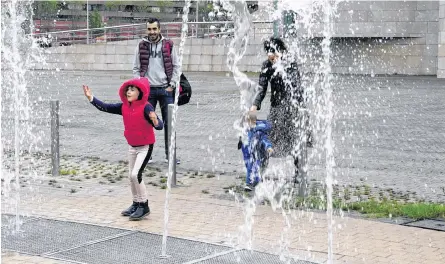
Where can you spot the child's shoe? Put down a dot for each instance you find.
(130, 209)
(141, 211)
(248, 187)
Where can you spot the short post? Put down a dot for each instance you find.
(55, 154)
(302, 155)
(170, 148)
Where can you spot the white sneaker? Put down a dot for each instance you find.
(150, 160)
(177, 161)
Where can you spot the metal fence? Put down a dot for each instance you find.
(222, 29)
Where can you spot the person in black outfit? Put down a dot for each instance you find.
(281, 71)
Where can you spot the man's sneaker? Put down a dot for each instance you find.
(177, 161)
(310, 140)
(150, 160)
(130, 209)
(141, 211)
(297, 178)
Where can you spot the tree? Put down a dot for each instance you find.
(46, 9)
(95, 21)
(164, 4)
(218, 13)
(112, 5)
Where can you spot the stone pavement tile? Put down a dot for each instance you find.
(402, 257)
(352, 260)
(17, 258)
(317, 257)
(201, 217)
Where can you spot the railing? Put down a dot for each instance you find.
(222, 29)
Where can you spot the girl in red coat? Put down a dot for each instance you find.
(139, 119)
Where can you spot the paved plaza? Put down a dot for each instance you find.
(204, 216)
(388, 132)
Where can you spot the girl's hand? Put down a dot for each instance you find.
(87, 92)
(153, 118)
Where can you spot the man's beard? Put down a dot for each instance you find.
(153, 37)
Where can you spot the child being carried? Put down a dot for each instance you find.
(256, 149)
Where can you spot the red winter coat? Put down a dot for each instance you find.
(138, 131)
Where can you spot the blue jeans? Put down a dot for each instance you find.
(253, 166)
(165, 98)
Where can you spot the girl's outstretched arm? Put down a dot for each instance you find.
(152, 118)
(109, 108)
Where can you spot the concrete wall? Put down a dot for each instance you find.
(441, 38)
(377, 37)
(383, 19)
(199, 55)
(355, 56)
(382, 37)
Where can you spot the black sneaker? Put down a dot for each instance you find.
(141, 211)
(130, 209)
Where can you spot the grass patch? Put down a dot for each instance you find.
(52, 182)
(229, 187)
(387, 208)
(151, 174)
(153, 183)
(378, 209)
(423, 210)
(67, 172)
(75, 179)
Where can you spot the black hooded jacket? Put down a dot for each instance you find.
(284, 90)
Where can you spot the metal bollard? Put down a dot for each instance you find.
(170, 122)
(55, 154)
(302, 155)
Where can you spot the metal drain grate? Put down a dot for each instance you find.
(9, 221)
(83, 243)
(429, 224)
(44, 236)
(141, 248)
(245, 256)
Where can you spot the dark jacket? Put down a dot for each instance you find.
(283, 91)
